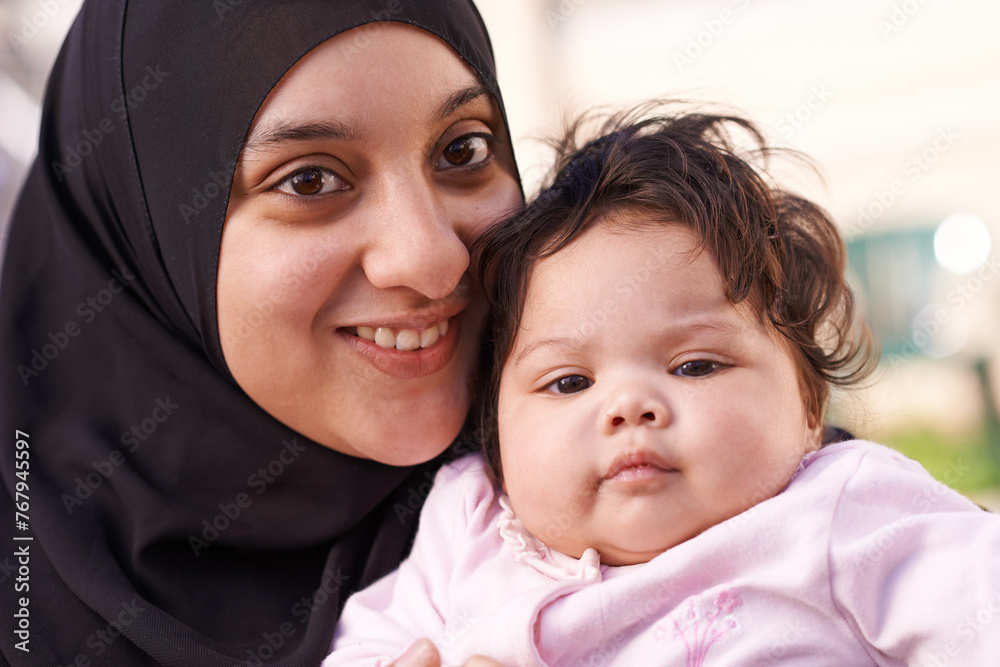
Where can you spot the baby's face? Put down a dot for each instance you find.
(639, 407)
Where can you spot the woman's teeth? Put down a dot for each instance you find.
(407, 339)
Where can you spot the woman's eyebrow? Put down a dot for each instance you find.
(460, 98)
(265, 136)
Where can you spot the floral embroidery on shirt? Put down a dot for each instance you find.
(699, 625)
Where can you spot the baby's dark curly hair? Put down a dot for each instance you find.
(773, 248)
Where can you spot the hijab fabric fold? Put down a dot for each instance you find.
(171, 520)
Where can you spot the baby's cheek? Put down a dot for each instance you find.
(567, 507)
(549, 523)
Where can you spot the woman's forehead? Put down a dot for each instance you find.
(365, 67)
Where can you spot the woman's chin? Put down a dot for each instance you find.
(415, 445)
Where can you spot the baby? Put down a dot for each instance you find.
(655, 486)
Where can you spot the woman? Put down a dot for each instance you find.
(233, 293)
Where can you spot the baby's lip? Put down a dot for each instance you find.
(637, 458)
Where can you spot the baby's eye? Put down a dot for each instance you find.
(465, 151)
(311, 181)
(570, 384)
(698, 368)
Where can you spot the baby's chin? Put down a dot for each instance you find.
(619, 557)
(638, 542)
(624, 552)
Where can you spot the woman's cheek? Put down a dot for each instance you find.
(297, 287)
(261, 295)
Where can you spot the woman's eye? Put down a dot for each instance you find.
(311, 181)
(570, 384)
(465, 152)
(697, 369)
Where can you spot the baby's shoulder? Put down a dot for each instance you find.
(844, 459)
(871, 480)
(463, 484)
(469, 468)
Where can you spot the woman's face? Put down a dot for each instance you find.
(344, 308)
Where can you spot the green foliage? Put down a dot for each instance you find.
(964, 463)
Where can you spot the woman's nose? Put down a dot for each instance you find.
(415, 241)
(634, 406)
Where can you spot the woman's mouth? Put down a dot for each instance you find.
(406, 340)
(406, 352)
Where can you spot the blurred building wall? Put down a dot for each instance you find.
(897, 101)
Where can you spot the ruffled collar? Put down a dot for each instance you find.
(807, 458)
(530, 550)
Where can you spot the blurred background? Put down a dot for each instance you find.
(897, 101)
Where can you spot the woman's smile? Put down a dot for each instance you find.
(406, 353)
(407, 340)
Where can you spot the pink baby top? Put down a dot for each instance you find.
(864, 559)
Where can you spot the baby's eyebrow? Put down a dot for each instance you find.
(680, 331)
(717, 325)
(560, 344)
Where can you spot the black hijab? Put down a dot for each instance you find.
(169, 519)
